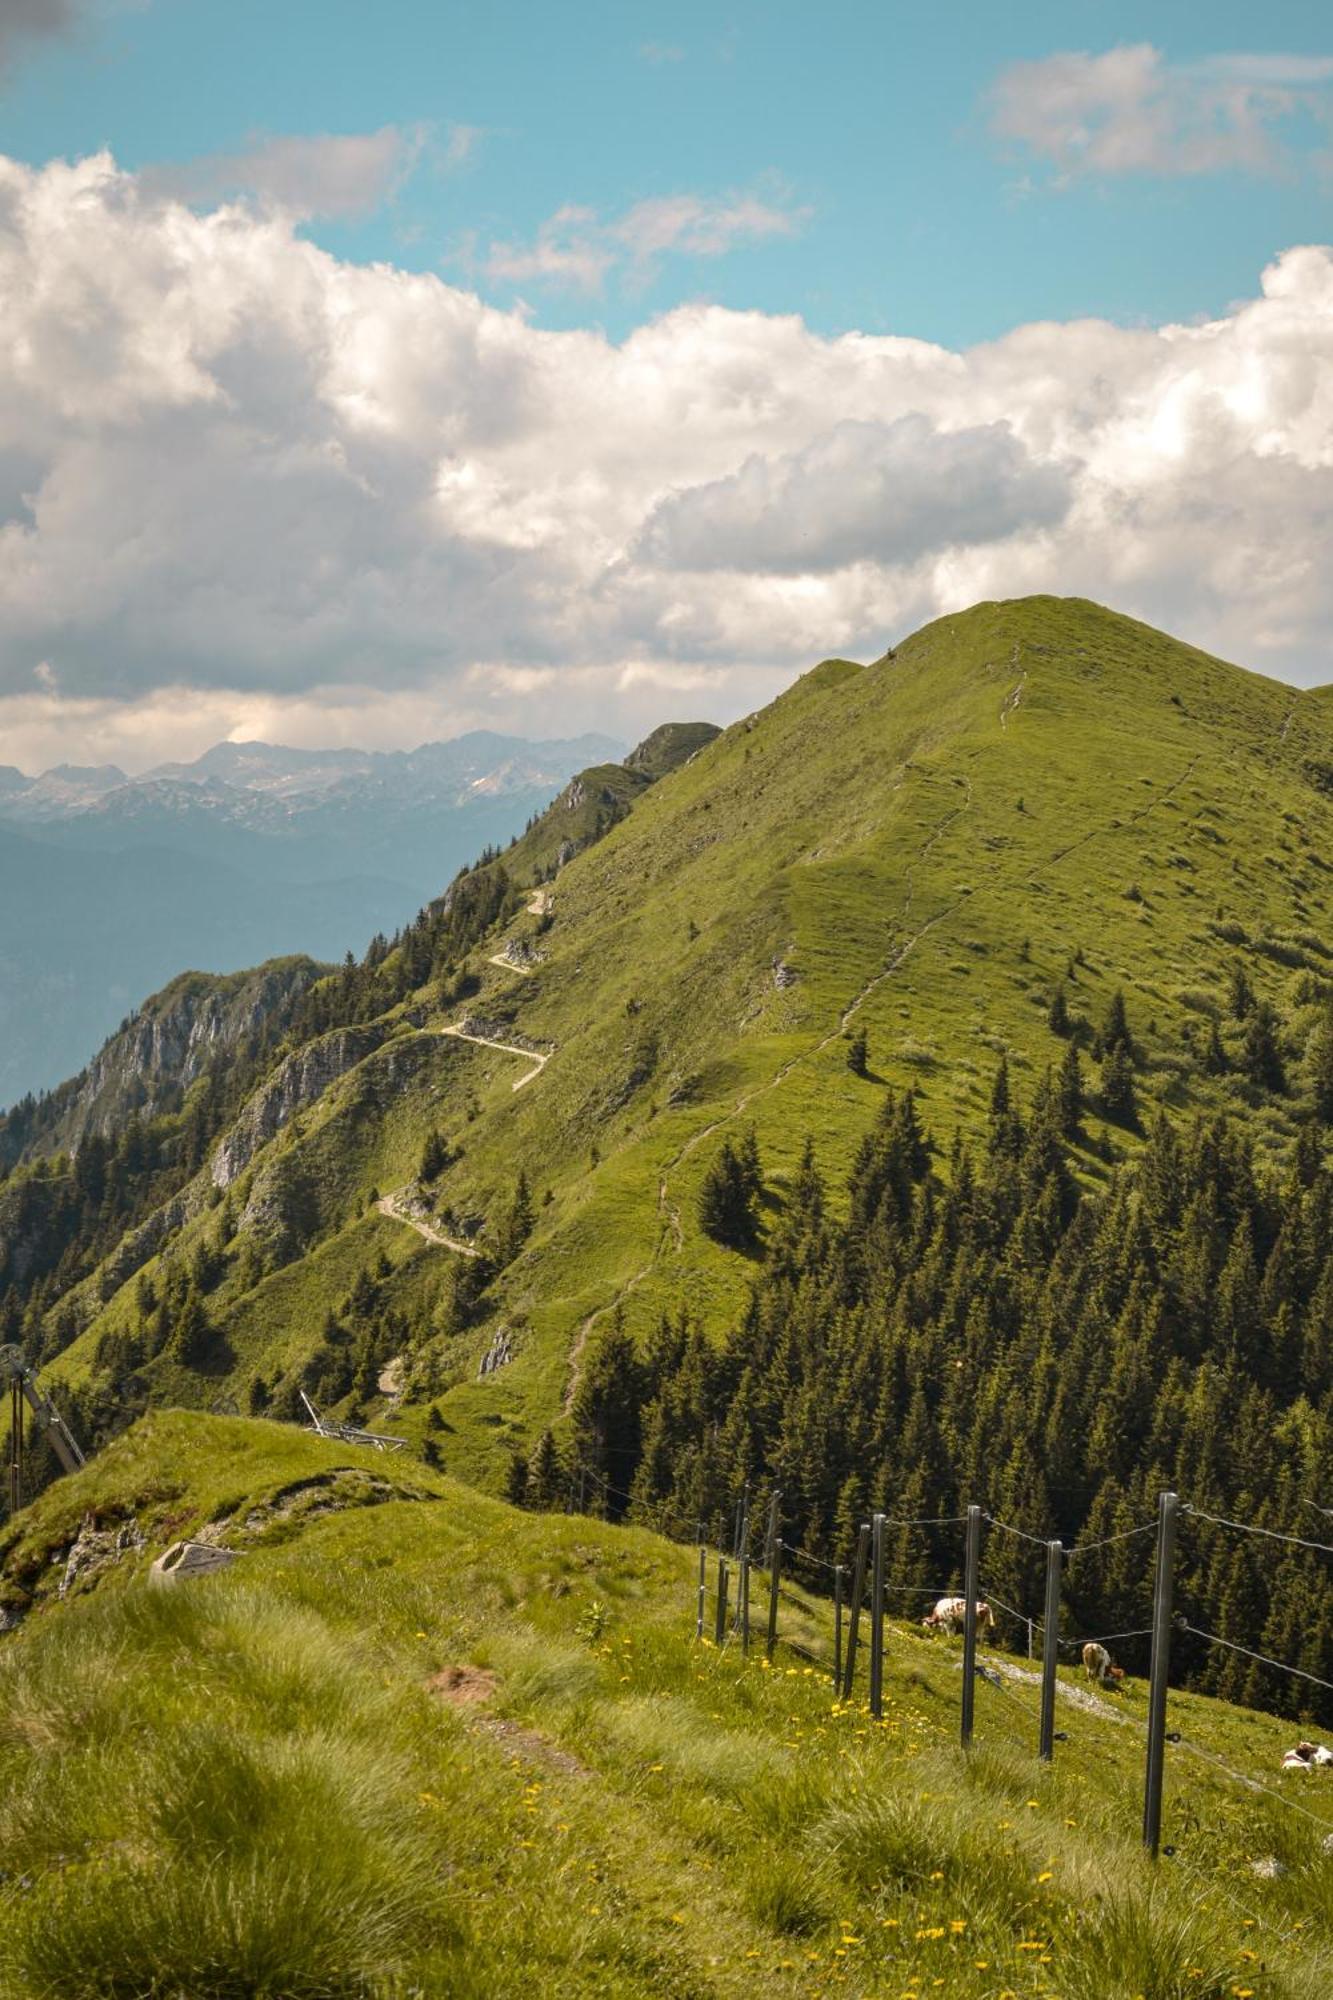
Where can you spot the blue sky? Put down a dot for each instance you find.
(863, 132)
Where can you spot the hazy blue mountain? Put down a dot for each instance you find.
(109, 885)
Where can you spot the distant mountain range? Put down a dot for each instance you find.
(109, 883)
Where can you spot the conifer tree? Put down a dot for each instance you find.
(606, 1416)
(1069, 1093)
(1117, 1086)
(518, 1222)
(1262, 1057)
(1240, 994)
(858, 1054)
(547, 1485)
(516, 1481)
(191, 1335)
(726, 1201)
(1057, 1017)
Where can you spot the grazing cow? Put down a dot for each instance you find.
(950, 1615)
(1100, 1667)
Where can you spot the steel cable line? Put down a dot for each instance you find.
(1009, 1529)
(1263, 1658)
(1252, 1784)
(1271, 1534)
(990, 1597)
(1105, 1638)
(1105, 1541)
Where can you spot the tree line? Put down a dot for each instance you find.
(995, 1330)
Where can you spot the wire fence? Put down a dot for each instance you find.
(1024, 1707)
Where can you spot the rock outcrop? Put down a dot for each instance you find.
(299, 1081)
(192, 1025)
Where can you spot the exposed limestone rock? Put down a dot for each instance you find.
(184, 1561)
(519, 952)
(302, 1078)
(182, 1031)
(97, 1549)
(498, 1354)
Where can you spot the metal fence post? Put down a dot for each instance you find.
(1050, 1650)
(720, 1629)
(744, 1603)
(971, 1568)
(877, 1617)
(774, 1523)
(1168, 1507)
(703, 1592)
(837, 1628)
(858, 1592)
(775, 1577)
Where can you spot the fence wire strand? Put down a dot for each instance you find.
(1262, 1658)
(1105, 1541)
(1252, 1784)
(1009, 1529)
(1271, 1534)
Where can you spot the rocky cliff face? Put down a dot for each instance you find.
(190, 1026)
(304, 1076)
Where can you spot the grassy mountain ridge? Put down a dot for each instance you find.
(1024, 797)
(494, 1760)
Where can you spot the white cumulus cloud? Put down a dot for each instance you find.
(322, 174)
(861, 492)
(241, 478)
(1130, 111)
(578, 248)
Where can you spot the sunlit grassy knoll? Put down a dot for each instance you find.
(249, 1785)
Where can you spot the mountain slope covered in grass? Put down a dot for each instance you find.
(484, 1148)
(494, 1760)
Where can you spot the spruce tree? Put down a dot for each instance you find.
(1117, 1087)
(1240, 994)
(1069, 1093)
(726, 1201)
(858, 1054)
(1057, 1017)
(1261, 1057)
(1321, 1067)
(191, 1335)
(547, 1484)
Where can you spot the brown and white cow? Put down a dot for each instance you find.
(950, 1615)
(1307, 1757)
(1098, 1664)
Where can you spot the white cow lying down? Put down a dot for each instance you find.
(950, 1615)
(1307, 1757)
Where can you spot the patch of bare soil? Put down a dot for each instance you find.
(530, 1744)
(468, 1687)
(463, 1685)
